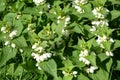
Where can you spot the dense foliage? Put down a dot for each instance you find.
(59, 39)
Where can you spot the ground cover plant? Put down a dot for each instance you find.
(59, 39)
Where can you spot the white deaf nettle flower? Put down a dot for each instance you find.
(7, 43)
(40, 58)
(80, 2)
(39, 2)
(97, 12)
(39, 49)
(41, 12)
(13, 45)
(35, 46)
(75, 73)
(101, 39)
(21, 50)
(37, 65)
(79, 9)
(84, 53)
(4, 29)
(13, 34)
(111, 40)
(64, 32)
(67, 20)
(100, 23)
(84, 60)
(109, 53)
(91, 69)
(93, 29)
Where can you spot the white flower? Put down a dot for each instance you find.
(97, 12)
(111, 40)
(37, 65)
(101, 39)
(91, 69)
(38, 2)
(67, 19)
(40, 58)
(13, 45)
(78, 2)
(64, 32)
(7, 43)
(84, 60)
(100, 23)
(39, 49)
(41, 12)
(13, 34)
(109, 53)
(3, 29)
(34, 46)
(83, 53)
(48, 55)
(21, 50)
(75, 73)
(79, 9)
(93, 29)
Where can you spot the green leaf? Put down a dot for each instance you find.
(19, 5)
(82, 77)
(115, 1)
(18, 26)
(118, 65)
(31, 10)
(10, 70)
(50, 67)
(29, 65)
(68, 65)
(2, 5)
(26, 18)
(10, 18)
(115, 14)
(20, 42)
(92, 58)
(116, 44)
(109, 64)
(68, 77)
(100, 75)
(102, 56)
(7, 54)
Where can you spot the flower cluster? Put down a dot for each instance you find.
(9, 37)
(100, 23)
(78, 3)
(39, 2)
(74, 73)
(91, 69)
(66, 22)
(98, 12)
(39, 58)
(39, 54)
(82, 56)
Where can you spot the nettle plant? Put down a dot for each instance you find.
(59, 39)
